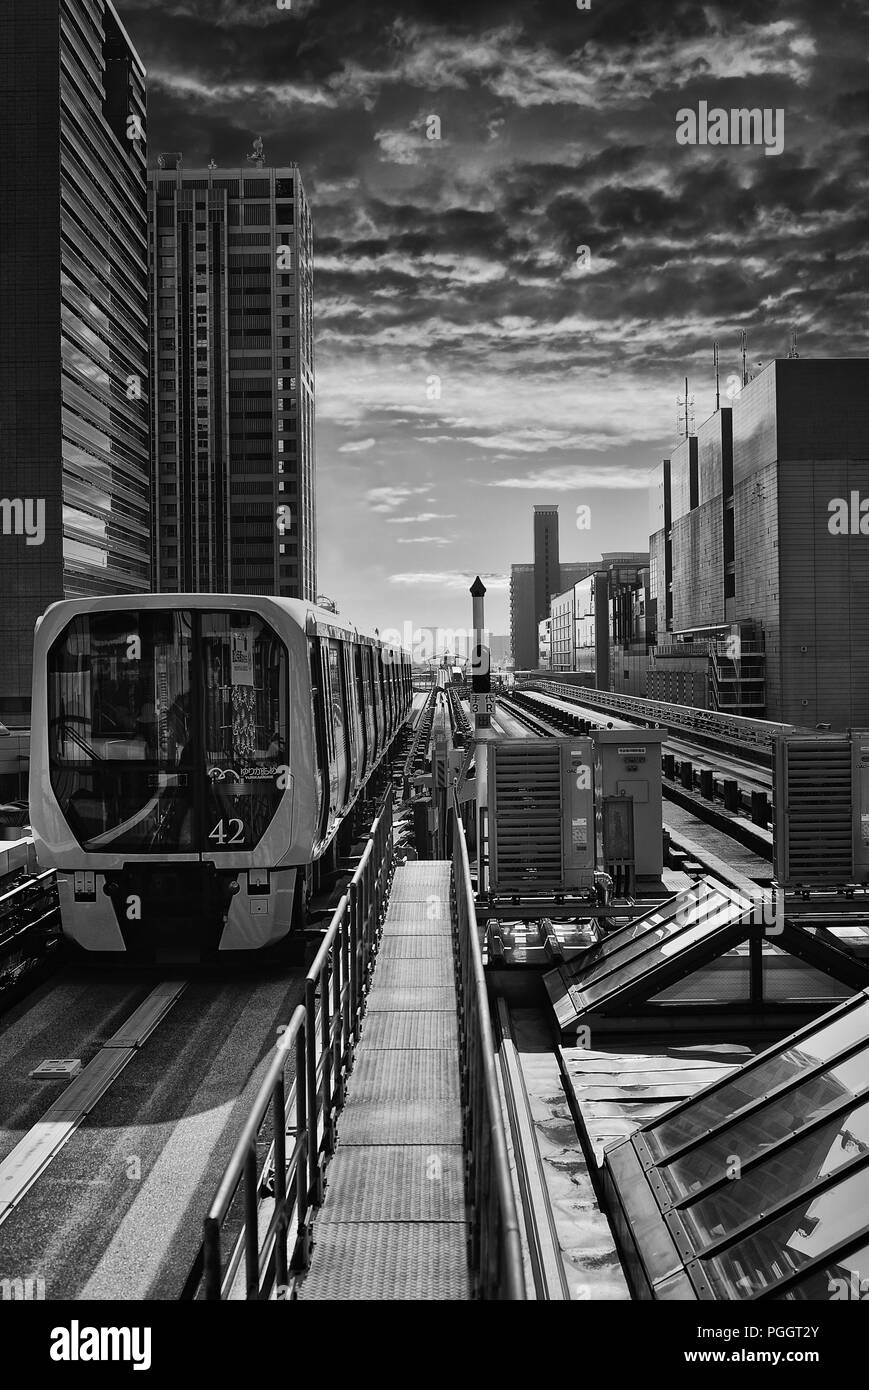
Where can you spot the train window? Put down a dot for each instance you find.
(168, 729)
(245, 726)
(337, 683)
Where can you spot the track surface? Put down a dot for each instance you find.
(118, 1212)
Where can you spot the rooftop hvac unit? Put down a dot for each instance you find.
(821, 794)
(541, 815)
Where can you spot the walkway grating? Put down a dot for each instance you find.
(394, 1222)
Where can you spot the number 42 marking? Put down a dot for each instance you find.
(221, 836)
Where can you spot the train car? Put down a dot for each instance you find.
(193, 758)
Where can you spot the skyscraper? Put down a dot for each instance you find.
(233, 406)
(547, 569)
(74, 477)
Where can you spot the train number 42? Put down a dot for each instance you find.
(222, 834)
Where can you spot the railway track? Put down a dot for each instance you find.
(104, 1175)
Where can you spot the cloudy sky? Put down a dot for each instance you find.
(468, 363)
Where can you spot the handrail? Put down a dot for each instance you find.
(740, 728)
(495, 1248)
(323, 1032)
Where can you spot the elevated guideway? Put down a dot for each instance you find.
(394, 1223)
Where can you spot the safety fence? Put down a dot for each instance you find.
(738, 730)
(319, 1044)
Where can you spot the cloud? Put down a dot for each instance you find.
(420, 518)
(423, 540)
(400, 146)
(357, 446)
(386, 499)
(577, 478)
(449, 580)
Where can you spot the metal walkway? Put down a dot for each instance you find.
(394, 1223)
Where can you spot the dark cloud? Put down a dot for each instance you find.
(453, 320)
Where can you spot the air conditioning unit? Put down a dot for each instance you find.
(541, 815)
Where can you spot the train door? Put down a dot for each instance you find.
(318, 714)
(364, 687)
(331, 741)
(339, 724)
(354, 730)
(376, 698)
(354, 678)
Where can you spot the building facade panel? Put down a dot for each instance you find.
(73, 313)
(698, 567)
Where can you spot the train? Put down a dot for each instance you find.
(193, 760)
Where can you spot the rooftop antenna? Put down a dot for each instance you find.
(744, 356)
(717, 375)
(793, 352)
(688, 421)
(257, 158)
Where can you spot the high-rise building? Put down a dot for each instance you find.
(74, 476)
(547, 569)
(760, 557)
(523, 627)
(233, 402)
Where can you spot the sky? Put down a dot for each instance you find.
(506, 314)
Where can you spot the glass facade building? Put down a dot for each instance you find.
(232, 458)
(74, 467)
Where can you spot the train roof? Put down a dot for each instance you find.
(308, 616)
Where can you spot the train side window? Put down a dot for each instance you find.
(319, 707)
(328, 701)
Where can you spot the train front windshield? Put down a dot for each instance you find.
(168, 729)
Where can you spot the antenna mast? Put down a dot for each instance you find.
(744, 357)
(688, 405)
(717, 375)
(793, 352)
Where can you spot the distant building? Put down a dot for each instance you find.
(533, 587)
(73, 320)
(547, 569)
(544, 644)
(233, 405)
(523, 626)
(599, 616)
(753, 572)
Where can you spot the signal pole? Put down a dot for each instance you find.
(481, 679)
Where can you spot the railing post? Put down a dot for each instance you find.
(306, 1131)
(211, 1259)
(355, 988)
(315, 1182)
(251, 1233)
(279, 1125)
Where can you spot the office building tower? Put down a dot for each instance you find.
(760, 564)
(233, 402)
(523, 625)
(547, 570)
(74, 474)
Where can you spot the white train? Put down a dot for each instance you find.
(193, 757)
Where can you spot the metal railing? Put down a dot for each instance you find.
(733, 727)
(494, 1243)
(321, 1036)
